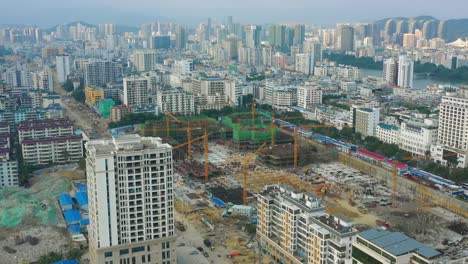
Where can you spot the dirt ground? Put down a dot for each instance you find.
(50, 239)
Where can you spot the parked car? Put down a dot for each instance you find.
(194, 252)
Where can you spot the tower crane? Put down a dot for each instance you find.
(245, 162)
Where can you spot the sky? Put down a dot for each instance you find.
(46, 13)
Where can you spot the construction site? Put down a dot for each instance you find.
(215, 174)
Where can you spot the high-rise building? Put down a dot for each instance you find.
(390, 28)
(313, 47)
(365, 120)
(308, 96)
(299, 34)
(176, 101)
(304, 63)
(442, 30)
(390, 71)
(160, 42)
(42, 80)
(145, 60)
(131, 200)
(346, 34)
(101, 72)
(181, 38)
(62, 63)
(429, 29)
(293, 227)
(135, 90)
(405, 72)
(252, 36)
(409, 40)
(452, 140)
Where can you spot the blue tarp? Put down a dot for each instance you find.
(74, 229)
(66, 262)
(82, 198)
(218, 202)
(84, 221)
(81, 187)
(72, 216)
(65, 200)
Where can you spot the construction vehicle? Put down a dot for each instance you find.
(245, 162)
(232, 255)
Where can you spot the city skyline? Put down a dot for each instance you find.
(141, 11)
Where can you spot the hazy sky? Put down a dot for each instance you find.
(133, 12)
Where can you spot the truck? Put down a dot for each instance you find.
(207, 243)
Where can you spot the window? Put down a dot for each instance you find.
(138, 249)
(124, 251)
(108, 254)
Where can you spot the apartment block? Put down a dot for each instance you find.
(176, 101)
(93, 94)
(120, 111)
(388, 133)
(365, 120)
(135, 90)
(308, 96)
(293, 227)
(49, 141)
(131, 201)
(417, 137)
(9, 173)
(452, 139)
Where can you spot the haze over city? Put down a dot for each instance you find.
(51, 12)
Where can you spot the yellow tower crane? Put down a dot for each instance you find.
(245, 162)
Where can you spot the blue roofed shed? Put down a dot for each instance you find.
(82, 199)
(66, 262)
(72, 217)
(81, 187)
(66, 201)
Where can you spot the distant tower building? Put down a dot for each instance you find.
(411, 26)
(252, 36)
(304, 63)
(390, 71)
(181, 38)
(135, 90)
(402, 27)
(131, 200)
(346, 38)
(405, 72)
(299, 34)
(442, 30)
(160, 42)
(409, 41)
(390, 28)
(429, 30)
(63, 67)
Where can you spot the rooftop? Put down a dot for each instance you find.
(130, 142)
(42, 124)
(397, 243)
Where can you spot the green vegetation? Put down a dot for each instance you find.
(134, 119)
(421, 109)
(227, 110)
(51, 257)
(361, 62)
(328, 97)
(256, 78)
(79, 95)
(342, 106)
(452, 173)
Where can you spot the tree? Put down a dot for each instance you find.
(68, 85)
(79, 95)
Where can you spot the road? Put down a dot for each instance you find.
(82, 116)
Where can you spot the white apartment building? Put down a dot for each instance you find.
(183, 67)
(135, 90)
(388, 133)
(294, 228)
(304, 63)
(101, 72)
(365, 120)
(417, 137)
(62, 63)
(308, 96)
(405, 72)
(49, 141)
(47, 128)
(452, 137)
(176, 101)
(145, 60)
(131, 201)
(9, 173)
(280, 97)
(390, 71)
(42, 80)
(46, 151)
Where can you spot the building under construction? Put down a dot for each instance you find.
(195, 169)
(251, 131)
(282, 156)
(178, 128)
